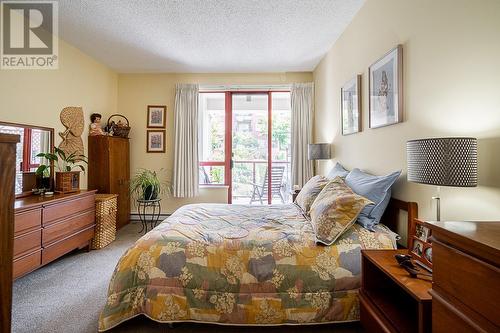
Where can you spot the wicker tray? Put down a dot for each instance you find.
(105, 216)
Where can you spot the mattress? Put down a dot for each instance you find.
(240, 265)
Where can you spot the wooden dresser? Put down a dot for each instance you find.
(109, 171)
(7, 178)
(466, 276)
(46, 228)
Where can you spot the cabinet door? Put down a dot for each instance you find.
(98, 168)
(119, 177)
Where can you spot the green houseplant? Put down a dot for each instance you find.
(67, 179)
(42, 174)
(146, 185)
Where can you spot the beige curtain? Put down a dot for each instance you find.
(185, 182)
(302, 97)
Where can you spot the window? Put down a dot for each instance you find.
(243, 135)
(211, 136)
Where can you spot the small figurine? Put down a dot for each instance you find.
(95, 127)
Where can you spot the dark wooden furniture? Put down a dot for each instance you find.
(109, 171)
(466, 276)
(7, 178)
(45, 228)
(390, 300)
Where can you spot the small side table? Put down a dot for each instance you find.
(391, 300)
(153, 218)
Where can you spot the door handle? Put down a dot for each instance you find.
(231, 164)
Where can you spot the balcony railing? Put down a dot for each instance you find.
(243, 181)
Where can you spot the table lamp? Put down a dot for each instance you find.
(442, 162)
(318, 151)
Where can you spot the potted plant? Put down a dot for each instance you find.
(42, 174)
(67, 179)
(146, 185)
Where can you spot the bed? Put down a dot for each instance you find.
(243, 265)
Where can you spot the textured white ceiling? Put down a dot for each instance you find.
(205, 35)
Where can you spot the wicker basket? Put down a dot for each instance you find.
(120, 131)
(105, 215)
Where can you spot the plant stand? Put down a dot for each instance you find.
(153, 218)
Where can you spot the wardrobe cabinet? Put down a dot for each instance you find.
(109, 171)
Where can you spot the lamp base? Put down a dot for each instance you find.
(438, 204)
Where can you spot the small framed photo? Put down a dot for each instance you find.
(157, 116)
(428, 254)
(420, 244)
(155, 141)
(421, 232)
(350, 107)
(417, 248)
(385, 79)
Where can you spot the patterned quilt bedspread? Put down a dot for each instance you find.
(241, 265)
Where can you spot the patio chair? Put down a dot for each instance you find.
(260, 191)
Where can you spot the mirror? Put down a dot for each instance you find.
(34, 140)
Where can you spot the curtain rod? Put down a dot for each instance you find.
(246, 87)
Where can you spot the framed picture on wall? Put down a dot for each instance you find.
(386, 89)
(157, 116)
(155, 141)
(420, 245)
(350, 106)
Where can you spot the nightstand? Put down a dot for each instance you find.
(391, 300)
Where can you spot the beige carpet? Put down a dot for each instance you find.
(67, 296)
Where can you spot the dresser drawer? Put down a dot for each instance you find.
(25, 221)
(26, 264)
(458, 274)
(27, 243)
(54, 212)
(65, 228)
(57, 249)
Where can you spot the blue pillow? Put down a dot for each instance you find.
(375, 188)
(337, 171)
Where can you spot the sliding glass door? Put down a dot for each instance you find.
(245, 144)
(250, 147)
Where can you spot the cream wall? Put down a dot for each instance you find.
(451, 56)
(36, 97)
(136, 91)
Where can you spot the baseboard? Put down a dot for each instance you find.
(134, 217)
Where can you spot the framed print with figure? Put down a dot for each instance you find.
(156, 116)
(155, 141)
(386, 89)
(350, 106)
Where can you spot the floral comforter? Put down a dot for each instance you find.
(241, 265)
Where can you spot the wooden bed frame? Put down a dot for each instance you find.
(391, 216)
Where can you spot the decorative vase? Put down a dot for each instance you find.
(149, 193)
(42, 182)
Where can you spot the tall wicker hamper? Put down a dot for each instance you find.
(105, 216)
